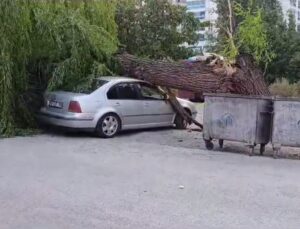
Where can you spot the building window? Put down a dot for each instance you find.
(196, 4)
(298, 27)
(200, 15)
(293, 2)
(201, 37)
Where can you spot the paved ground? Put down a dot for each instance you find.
(150, 179)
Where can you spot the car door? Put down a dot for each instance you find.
(157, 110)
(124, 97)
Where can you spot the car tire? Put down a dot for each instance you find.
(180, 123)
(108, 126)
(209, 145)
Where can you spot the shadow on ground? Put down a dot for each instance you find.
(184, 139)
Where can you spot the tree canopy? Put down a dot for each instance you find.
(156, 28)
(261, 31)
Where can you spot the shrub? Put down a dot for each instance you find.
(284, 88)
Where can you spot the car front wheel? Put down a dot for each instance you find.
(180, 123)
(108, 126)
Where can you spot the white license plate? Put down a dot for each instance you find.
(55, 104)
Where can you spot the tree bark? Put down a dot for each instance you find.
(210, 76)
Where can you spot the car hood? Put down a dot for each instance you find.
(187, 103)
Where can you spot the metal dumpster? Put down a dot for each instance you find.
(286, 123)
(246, 119)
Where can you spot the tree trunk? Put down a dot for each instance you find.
(179, 109)
(210, 76)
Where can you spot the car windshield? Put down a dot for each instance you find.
(90, 87)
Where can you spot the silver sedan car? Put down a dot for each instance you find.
(112, 104)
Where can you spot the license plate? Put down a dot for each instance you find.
(55, 104)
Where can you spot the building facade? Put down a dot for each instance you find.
(291, 6)
(204, 11)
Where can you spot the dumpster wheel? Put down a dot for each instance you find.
(221, 143)
(209, 145)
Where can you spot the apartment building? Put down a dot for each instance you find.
(205, 11)
(292, 6)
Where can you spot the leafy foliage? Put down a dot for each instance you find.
(262, 32)
(15, 28)
(251, 34)
(286, 44)
(247, 33)
(156, 28)
(80, 39)
(63, 43)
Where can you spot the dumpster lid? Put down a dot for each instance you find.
(280, 98)
(239, 96)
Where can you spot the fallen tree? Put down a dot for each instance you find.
(237, 75)
(210, 75)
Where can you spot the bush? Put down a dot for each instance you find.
(285, 89)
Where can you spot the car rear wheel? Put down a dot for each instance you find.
(108, 126)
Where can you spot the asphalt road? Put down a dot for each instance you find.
(149, 179)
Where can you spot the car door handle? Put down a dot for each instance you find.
(146, 104)
(117, 104)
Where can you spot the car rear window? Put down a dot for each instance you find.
(97, 84)
(90, 87)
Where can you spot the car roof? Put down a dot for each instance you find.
(118, 79)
